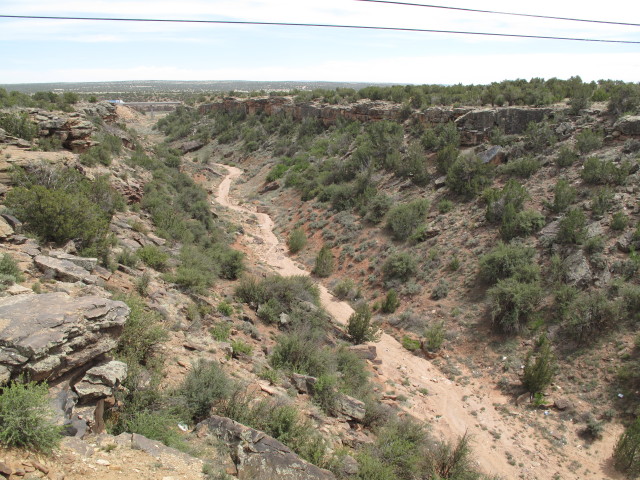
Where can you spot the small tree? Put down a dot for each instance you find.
(626, 453)
(359, 327)
(391, 302)
(26, 420)
(297, 240)
(324, 262)
(539, 369)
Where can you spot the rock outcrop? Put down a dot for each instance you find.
(474, 124)
(64, 269)
(629, 125)
(48, 335)
(101, 381)
(257, 455)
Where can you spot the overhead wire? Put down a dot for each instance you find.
(320, 25)
(498, 12)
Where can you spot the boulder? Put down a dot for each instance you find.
(156, 449)
(350, 407)
(562, 403)
(13, 221)
(365, 352)
(628, 125)
(303, 383)
(494, 155)
(50, 334)
(270, 187)
(5, 229)
(626, 242)
(87, 263)
(578, 271)
(191, 146)
(101, 381)
(549, 233)
(64, 270)
(259, 456)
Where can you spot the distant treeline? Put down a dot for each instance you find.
(535, 92)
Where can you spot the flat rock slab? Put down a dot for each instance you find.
(47, 335)
(64, 270)
(87, 263)
(101, 380)
(259, 456)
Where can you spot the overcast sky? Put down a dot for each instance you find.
(72, 51)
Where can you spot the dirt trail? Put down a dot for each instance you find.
(503, 444)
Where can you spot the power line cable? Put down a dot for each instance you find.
(321, 25)
(497, 12)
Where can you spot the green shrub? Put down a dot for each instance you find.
(540, 368)
(127, 258)
(298, 352)
(591, 316)
(403, 219)
(539, 136)
(10, 273)
(445, 158)
(468, 176)
(26, 419)
(601, 201)
(325, 392)
(588, 140)
(391, 302)
(141, 336)
(157, 424)
(512, 303)
(572, 228)
(630, 294)
(220, 331)
(18, 125)
(297, 240)
(414, 165)
(153, 257)
(512, 197)
(505, 260)
(410, 344)
(594, 245)
(445, 206)
(626, 453)
(346, 289)
(360, 327)
(604, 172)
(566, 157)
(59, 216)
(619, 221)
(377, 208)
(324, 262)
(288, 292)
(441, 290)
(401, 446)
(239, 347)
(452, 462)
(204, 386)
(624, 98)
(441, 136)
(434, 337)
(142, 284)
(225, 309)
(401, 265)
(520, 224)
(522, 167)
(564, 196)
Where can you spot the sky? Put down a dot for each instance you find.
(35, 51)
